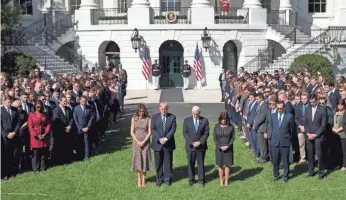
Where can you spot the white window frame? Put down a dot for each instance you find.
(317, 2)
(75, 4)
(122, 6)
(165, 8)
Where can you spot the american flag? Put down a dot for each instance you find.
(197, 64)
(146, 64)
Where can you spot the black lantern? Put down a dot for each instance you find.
(206, 38)
(135, 39)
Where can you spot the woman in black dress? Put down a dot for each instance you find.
(224, 138)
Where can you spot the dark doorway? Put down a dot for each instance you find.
(110, 49)
(230, 57)
(171, 61)
(275, 50)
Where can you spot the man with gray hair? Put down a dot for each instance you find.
(196, 132)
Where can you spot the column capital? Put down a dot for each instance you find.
(200, 3)
(252, 4)
(140, 4)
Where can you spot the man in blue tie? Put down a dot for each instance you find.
(163, 126)
(196, 132)
(280, 129)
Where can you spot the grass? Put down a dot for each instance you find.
(109, 176)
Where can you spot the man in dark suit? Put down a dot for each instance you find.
(250, 120)
(76, 92)
(47, 109)
(83, 116)
(279, 131)
(97, 106)
(10, 124)
(163, 126)
(62, 124)
(315, 121)
(196, 132)
(332, 95)
(260, 126)
(26, 106)
(288, 105)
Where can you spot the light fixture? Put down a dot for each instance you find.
(206, 38)
(135, 39)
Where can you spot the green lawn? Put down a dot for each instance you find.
(109, 176)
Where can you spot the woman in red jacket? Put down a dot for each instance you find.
(39, 127)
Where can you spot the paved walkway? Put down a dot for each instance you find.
(190, 96)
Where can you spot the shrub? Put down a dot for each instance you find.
(313, 63)
(16, 63)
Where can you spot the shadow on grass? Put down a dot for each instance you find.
(215, 174)
(247, 173)
(298, 170)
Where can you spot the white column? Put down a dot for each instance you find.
(140, 4)
(200, 3)
(154, 3)
(202, 12)
(88, 4)
(252, 4)
(285, 5)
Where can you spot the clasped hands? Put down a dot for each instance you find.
(196, 144)
(311, 136)
(85, 130)
(224, 148)
(163, 141)
(11, 135)
(41, 137)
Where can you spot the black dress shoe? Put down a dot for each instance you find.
(158, 184)
(276, 178)
(285, 180)
(320, 177)
(309, 175)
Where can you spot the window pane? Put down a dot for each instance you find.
(311, 8)
(323, 7)
(317, 8)
(323, 1)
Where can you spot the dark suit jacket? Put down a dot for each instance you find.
(280, 135)
(309, 88)
(252, 113)
(191, 135)
(83, 120)
(49, 112)
(158, 133)
(333, 99)
(9, 123)
(260, 118)
(61, 121)
(318, 126)
(289, 108)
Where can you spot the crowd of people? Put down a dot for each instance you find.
(283, 118)
(263, 105)
(53, 120)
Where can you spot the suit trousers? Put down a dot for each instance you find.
(39, 159)
(83, 145)
(156, 80)
(302, 152)
(254, 142)
(343, 145)
(280, 153)
(186, 82)
(263, 146)
(163, 165)
(191, 159)
(319, 149)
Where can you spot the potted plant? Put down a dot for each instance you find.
(103, 20)
(182, 19)
(223, 19)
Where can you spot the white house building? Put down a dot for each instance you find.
(255, 34)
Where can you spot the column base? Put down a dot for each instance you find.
(138, 16)
(202, 15)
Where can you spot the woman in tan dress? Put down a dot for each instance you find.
(140, 132)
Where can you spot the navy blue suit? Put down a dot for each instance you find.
(83, 119)
(280, 141)
(318, 127)
(252, 133)
(333, 99)
(163, 153)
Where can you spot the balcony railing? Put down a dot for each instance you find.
(181, 15)
(231, 15)
(109, 16)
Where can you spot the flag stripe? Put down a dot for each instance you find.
(146, 64)
(197, 65)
